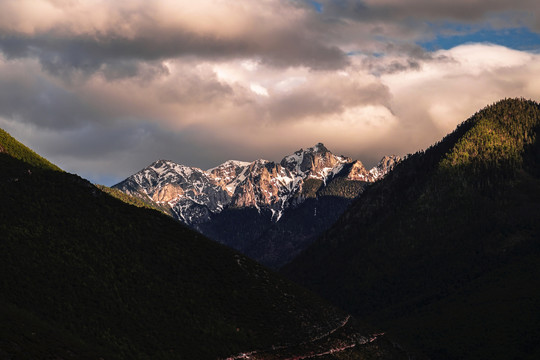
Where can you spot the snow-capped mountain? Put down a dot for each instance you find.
(227, 174)
(265, 184)
(193, 195)
(316, 162)
(190, 193)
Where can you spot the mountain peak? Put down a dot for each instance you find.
(384, 166)
(315, 162)
(228, 164)
(172, 168)
(162, 162)
(260, 162)
(319, 148)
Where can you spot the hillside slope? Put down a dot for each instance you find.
(9, 145)
(84, 275)
(444, 251)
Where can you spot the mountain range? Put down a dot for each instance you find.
(241, 204)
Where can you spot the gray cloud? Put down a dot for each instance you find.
(31, 98)
(456, 10)
(104, 88)
(326, 98)
(413, 20)
(148, 36)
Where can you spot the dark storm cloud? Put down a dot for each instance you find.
(33, 99)
(61, 52)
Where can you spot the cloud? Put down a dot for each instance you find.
(104, 88)
(402, 22)
(326, 94)
(29, 96)
(456, 10)
(202, 113)
(85, 36)
(432, 101)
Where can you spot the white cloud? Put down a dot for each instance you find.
(258, 89)
(431, 101)
(228, 109)
(198, 82)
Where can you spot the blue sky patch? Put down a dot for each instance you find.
(516, 38)
(316, 5)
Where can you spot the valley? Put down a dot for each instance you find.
(430, 257)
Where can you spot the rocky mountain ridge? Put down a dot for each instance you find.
(192, 195)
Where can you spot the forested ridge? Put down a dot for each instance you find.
(443, 252)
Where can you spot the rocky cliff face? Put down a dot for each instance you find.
(193, 195)
(226, 174)
(316, 162)
(358, 172)
(386, 165)
(265, 184)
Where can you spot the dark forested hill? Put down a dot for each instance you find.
(84, 275)
(444, 252)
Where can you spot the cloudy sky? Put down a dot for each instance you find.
(103, 88)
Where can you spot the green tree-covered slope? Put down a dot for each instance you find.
(84, 275)
(11, 146)
(443, 253)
